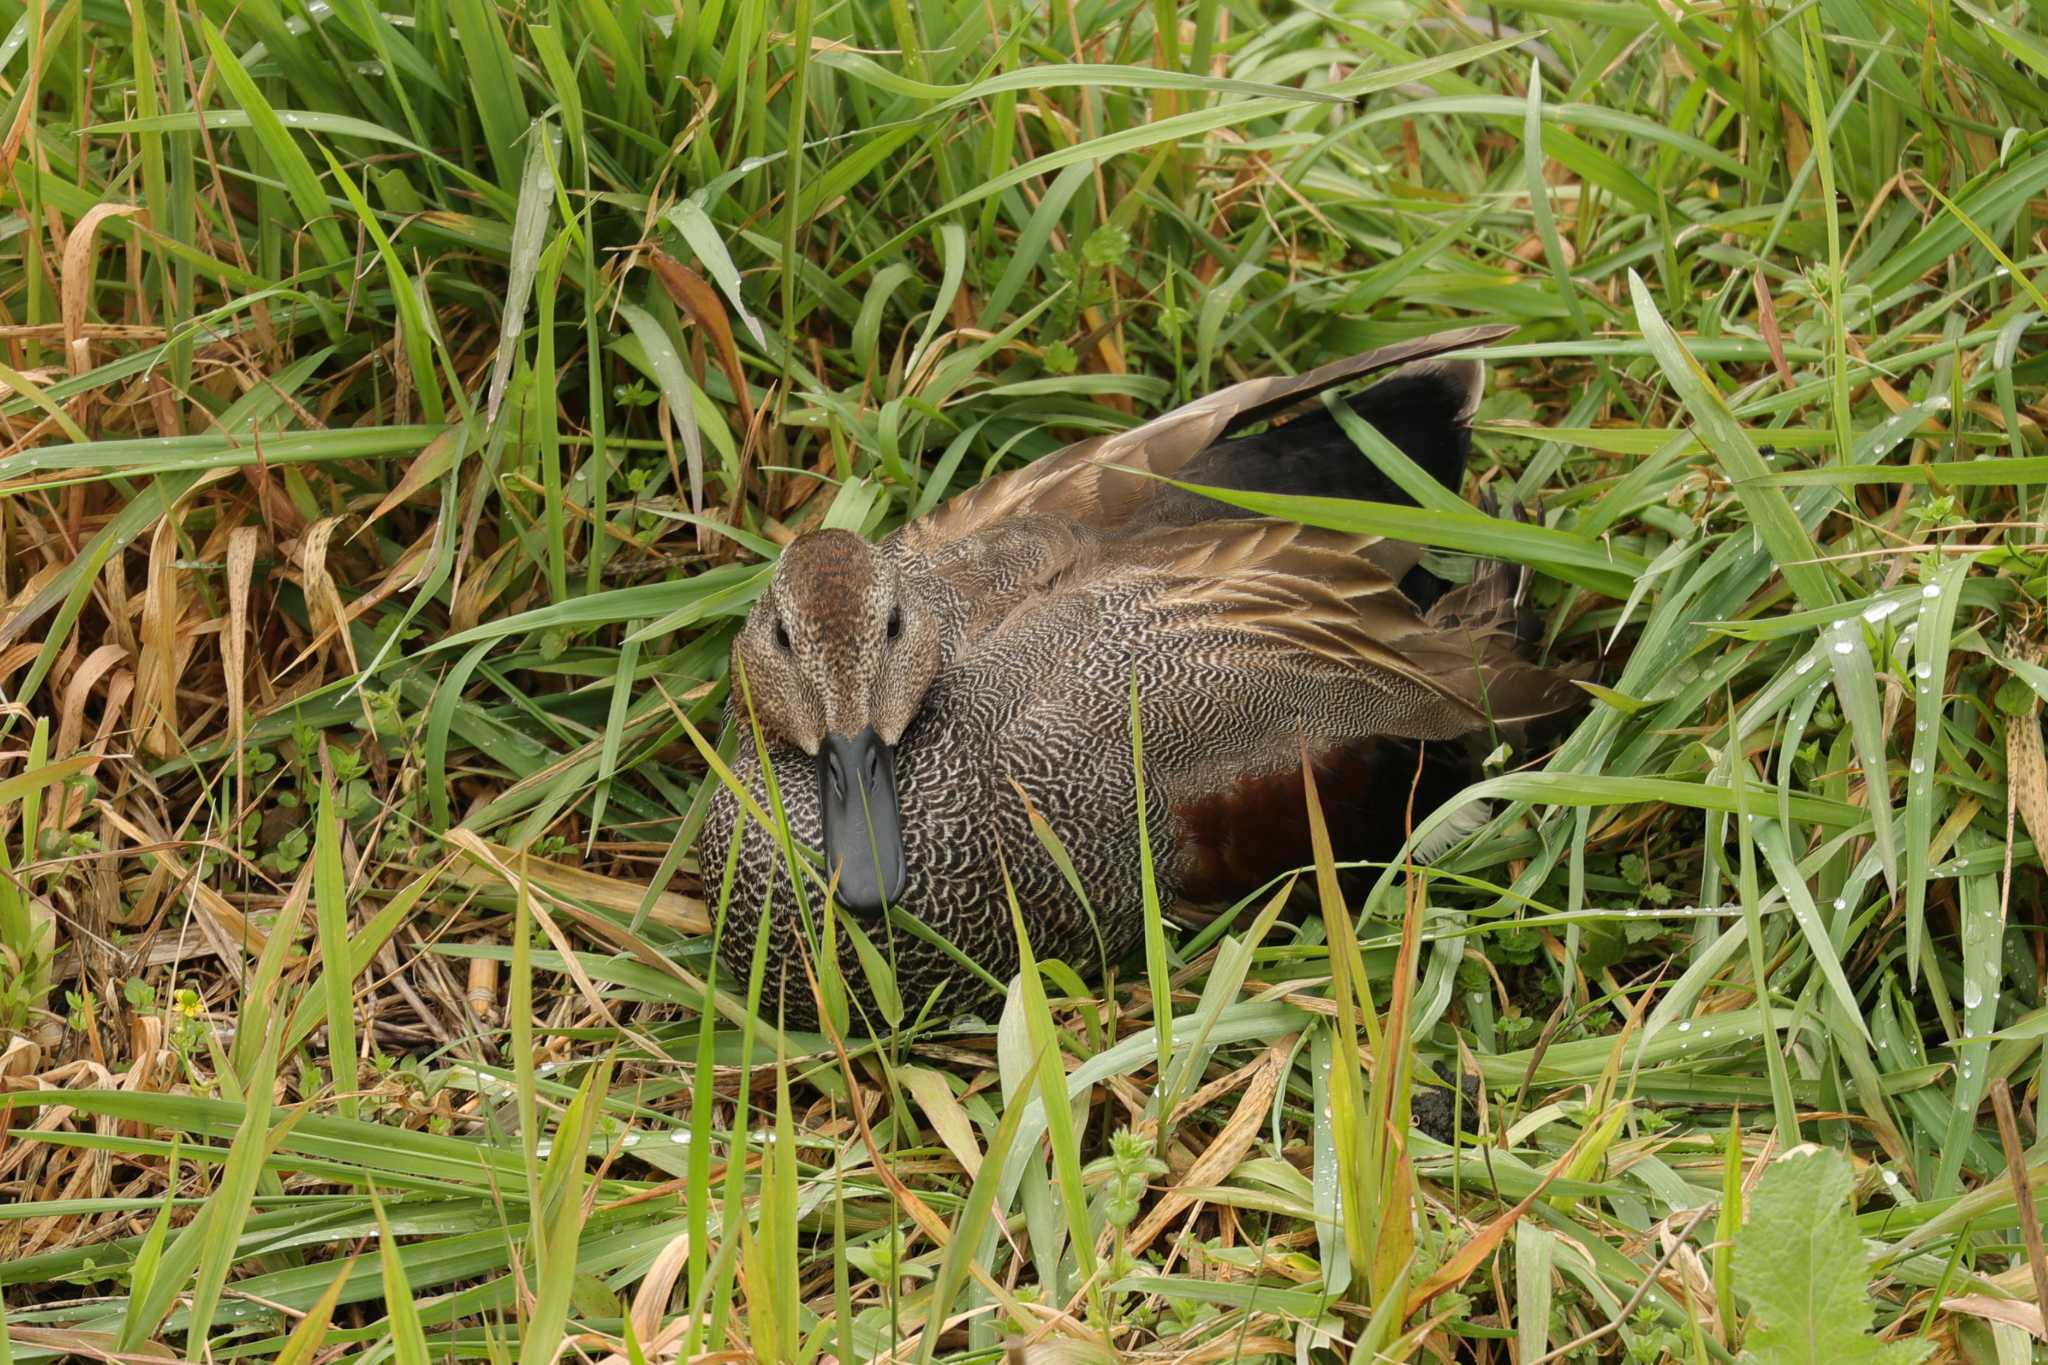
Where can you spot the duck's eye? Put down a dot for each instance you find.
(782, 637)
(895, 626)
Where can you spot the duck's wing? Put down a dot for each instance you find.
(1100, 482)
(1292, 611)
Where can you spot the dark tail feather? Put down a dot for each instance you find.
(1424, 410)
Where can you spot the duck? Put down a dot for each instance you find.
(921, 710)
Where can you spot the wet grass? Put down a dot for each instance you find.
(399, 406)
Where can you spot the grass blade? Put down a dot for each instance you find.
(284, 156)
(1775, 521)
(330, 915)
(1158, 968)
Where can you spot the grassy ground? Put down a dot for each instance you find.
(399, 403)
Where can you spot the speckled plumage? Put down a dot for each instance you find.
(1047, 592)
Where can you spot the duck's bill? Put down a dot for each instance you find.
(863, 824)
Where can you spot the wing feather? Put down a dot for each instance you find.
(1303, 600)
(1100, 481)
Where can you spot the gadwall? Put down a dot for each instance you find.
(921, 698)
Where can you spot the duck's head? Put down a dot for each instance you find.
(837, 656)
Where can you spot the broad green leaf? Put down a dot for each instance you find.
(1801, 1265)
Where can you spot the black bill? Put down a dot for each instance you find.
(863, 825)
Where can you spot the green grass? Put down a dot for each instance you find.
(398, 407)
